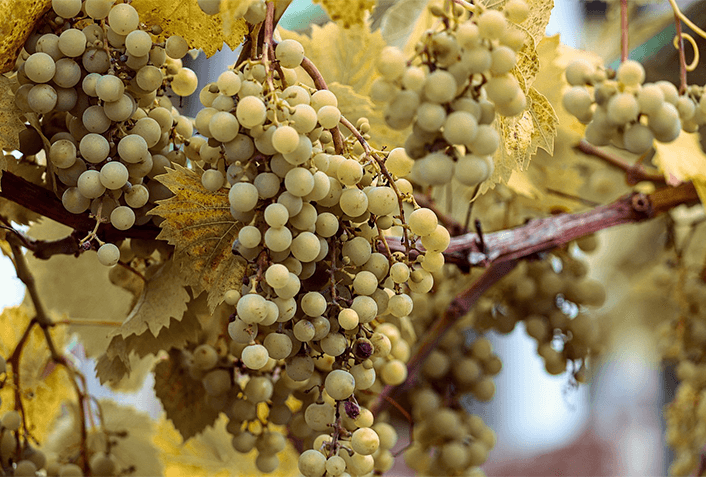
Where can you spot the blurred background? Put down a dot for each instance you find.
(612, 426)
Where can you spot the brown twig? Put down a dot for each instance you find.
(624, 31)
(682, 56)
(634, 172)
(310, 68)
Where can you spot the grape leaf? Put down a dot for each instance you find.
(80, 287)
(403, 18)
(682, 160)
(185, 18)
(211, 453)
(348, 13)
(12, 123)
(539, 13)
(30, 172)
(343, 55)
(199, 224)
(18, 20)
(130, 432)
(183, 397)
(147, 335)
(162, 298)
(44, 385)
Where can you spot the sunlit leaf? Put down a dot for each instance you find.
(12, 123)
(342, 55)
(44, 385)
(348, 12)
(199, 224)
(18, 20)
(185, 18)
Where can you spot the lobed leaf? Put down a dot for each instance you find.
(18, 20)
(185, 18)
(199, 224)
(183, 397)
(348, 13)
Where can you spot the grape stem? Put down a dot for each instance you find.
(310, 68)
(682, 56)
(500, 252)
(42, 319)
(624, 31)
(634, 172)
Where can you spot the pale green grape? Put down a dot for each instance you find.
(285, 139)
(42, 98)
(62, 153)
(255, 356)
(149, 78)
(365, 441)
(11, 420)
(212, 180)
(217, 382)
(72, 42)
(108, 254)
(290, 53)
(25, 468)
(278, 239)
(328, 116)
(391, 63)
(109, 88)
(98, 9)
(460, 127)
(223, 126)
(503, 60)
(243, 196)
(74, 202)
(440, 87)
(471, 170)
(251, 112)
(279, 345)
(638, 138)
(517, 11)
(102, 464)
(113, 175)
(70, 470)
(132, 148)
(137, 196)
(349, 172)
(121, 109)
(123, 19)
(138, 43)
(228, 83)
(67, 74)
(353, 202)
(323, 98)
(312, 463)
(185, 81)
(122, 217)
(95, 120)
(393, 372)
(66, 8)
(94, 148)
(40, 67)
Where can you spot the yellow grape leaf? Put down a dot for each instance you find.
(343, 55)
(199, 224)
(681, 160)
(401, 19)
(211, 453)
(231, 11)
(18, 20)
(182, 396)
(80, 288)
(521, 183)
(536, 23)
(185, 18)
(521, 137)
(117, 363)
(162, 298)
(11, 123)
(527, 65)
(44, 386)
(131, 433)
(348, 13)
(355, 106)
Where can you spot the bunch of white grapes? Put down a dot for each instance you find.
(620, 109)
(323, 294)
(96, 80)
(460, 77)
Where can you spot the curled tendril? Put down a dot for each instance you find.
(686, 20)
(694, 63)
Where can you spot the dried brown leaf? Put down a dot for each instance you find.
(199, 224)
(183, 397)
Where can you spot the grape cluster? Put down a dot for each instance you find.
(97, 81)
(447, 440)
(682, 341)
(315, 319)
(30, 460)
(450, 91)
(624, 111)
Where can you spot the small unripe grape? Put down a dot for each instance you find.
(184, 82)
(630, 73)
(290, 53)
(122, 217)
(11, 420)
(339, 384)
(212, 180)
